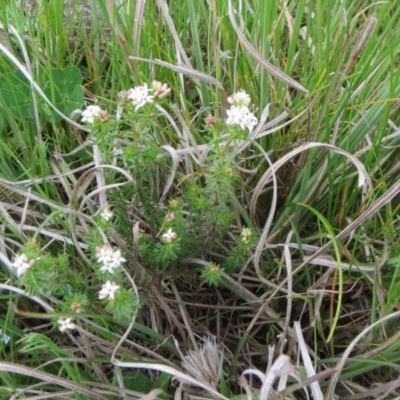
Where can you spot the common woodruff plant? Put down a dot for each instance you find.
(182, 196)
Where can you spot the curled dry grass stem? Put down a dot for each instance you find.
(350, 347)
(274, 71)
(49, 378)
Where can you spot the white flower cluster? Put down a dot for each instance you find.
(110, 259)
(160, 89)
(141, 95)
(4, 337)
(169, 236)
(138, 95)
(239, 113)
(92, 112)
(108, 290)
(246, 234)
(106, 214)
(22, 264)
(65, 323)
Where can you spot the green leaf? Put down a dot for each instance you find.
(2, 122)
(64, 89)
(16, 95)
(135, 380)
(163, 382)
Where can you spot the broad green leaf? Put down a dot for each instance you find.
(64, 89)
(135, 380)
(16, 95)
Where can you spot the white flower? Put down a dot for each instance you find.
(169, 236)
(139, 96)
(104, 253)
(246, 233)
(210, 121)
(106, 214)
(5, 337)
(93, 112)
(160, 89)
(65, 323)
(170, 216)
(108, 290)
(77, 307)
(241, 115)
(240, 98)
(109, 258)
(22, 264)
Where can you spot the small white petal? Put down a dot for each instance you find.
(169, 236)
(22, 264)
(106, 214)
(90, 113)
(139, 96)
(241, 115)
(66, 323)
(108, 290)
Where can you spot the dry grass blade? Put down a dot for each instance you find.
(162, 4)
(34, 373)
(350, 347)
(22, 292)
(362, 172)
(383, 389)
(309, 381)
(172, 173)
(183, 69)
(266, 64)
(86, 179)
(29, 69)
(62, 171)
(100, 179)
(188, 138)
(83, 182)
(381, 348)
(67, 394)
(281, 368)
(185, 316)
(368, 213)
(139, 15)
(271, 214)
(331, 263)
(33, 197)
(289, 268)
(184, 378)
(264, 129)
(250, 296)
(315, 388)
(152, 395)
(360, 44)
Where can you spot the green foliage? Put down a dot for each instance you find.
(62, 87)
(65, 91)
(124, 307)
(212, 274)
(16, 95)
(47, 274)
(188, 189)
